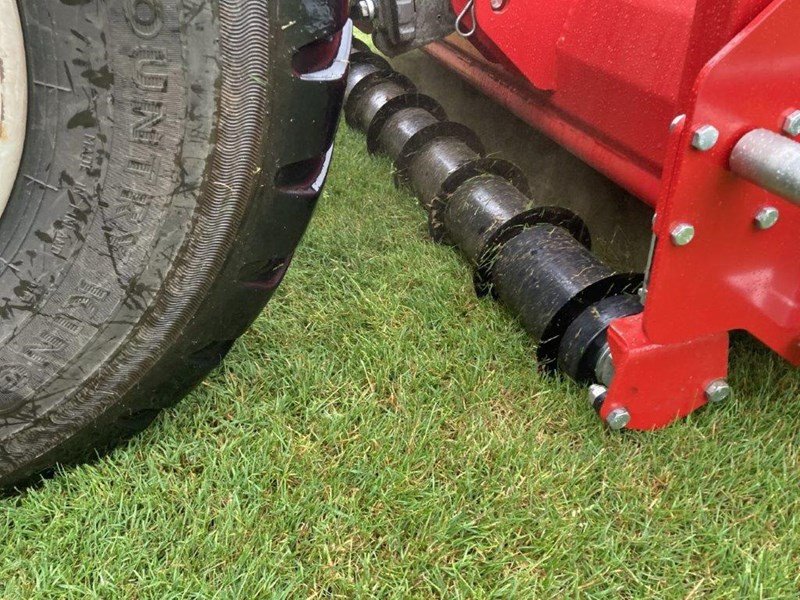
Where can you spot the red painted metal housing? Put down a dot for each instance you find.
(606, 78)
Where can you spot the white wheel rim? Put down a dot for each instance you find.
(13, 97)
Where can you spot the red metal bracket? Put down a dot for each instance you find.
(732, 275)
(604, 78)
(615, 73)
(656, 383)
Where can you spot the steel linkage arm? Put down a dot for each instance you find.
(398, 26)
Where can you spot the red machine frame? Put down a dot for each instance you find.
(606, 78)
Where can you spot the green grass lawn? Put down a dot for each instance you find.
(380, 432)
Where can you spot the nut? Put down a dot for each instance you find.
(718, 391)
(792, 124)
(767, 217)
(597, 393)
(618, 419)
(705, 137)
(682, 234)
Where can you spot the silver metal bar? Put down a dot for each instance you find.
(769, 160)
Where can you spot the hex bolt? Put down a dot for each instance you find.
(718, 391)
(705, 138)
(791, 125)
(597, 393)
(497, 4)
(618, 419)
(676, 122)
(682, 234)
(767, 217)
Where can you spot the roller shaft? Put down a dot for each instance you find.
(480, 207)
(546, 278)
(536, 260)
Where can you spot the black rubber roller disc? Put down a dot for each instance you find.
(369, 58)
(443, 129)
(357, 72)
(434, 164)
(374, 79)
(544, 215)
(548, 279)
(401, 127)
(587, 335)
(410, 100)
(497, 167)
(615, 285)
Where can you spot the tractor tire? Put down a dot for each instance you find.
(174, 154)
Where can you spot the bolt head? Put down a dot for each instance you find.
(597, 394)
(497, 4)
(792, 124)
(682, 234)
(767, 217)
(705, 137)
(676, 122)
(718, 391)
(618, 419)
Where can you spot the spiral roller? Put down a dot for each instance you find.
(535, 260)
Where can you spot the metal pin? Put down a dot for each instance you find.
(469, 8)
(705, 138)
